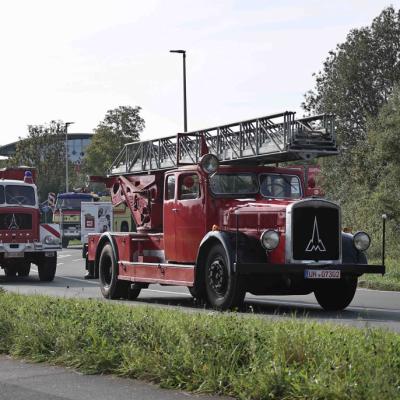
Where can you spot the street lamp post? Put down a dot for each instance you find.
(66, 155)
(183, 52)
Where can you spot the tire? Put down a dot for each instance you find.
(336, 296)
(65, 242)
(223, 287)
(47, 269)
(24, 269)
(110, 286)
(10, 272)
(134, 291)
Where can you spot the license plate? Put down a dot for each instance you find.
(18, 254)
(322, 274)
(49, 253)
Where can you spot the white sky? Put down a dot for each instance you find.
(74, 60)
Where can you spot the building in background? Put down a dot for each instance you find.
(77, 144)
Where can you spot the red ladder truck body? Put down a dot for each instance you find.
(210, 215)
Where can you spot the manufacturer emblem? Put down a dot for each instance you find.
(13, 223)
(315, 243)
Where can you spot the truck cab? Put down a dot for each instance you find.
(23, 239)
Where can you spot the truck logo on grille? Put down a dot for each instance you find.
(315, 243)
(13, 223)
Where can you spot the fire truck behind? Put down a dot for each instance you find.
(23, 239)
(212, 216)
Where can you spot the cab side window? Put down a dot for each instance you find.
(189, 187)
(170, 187)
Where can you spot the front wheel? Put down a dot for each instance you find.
(110, 286)
(223, 286)
(336, 296)
(24, 269)
(47, 269)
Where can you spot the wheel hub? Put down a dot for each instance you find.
(217, 277)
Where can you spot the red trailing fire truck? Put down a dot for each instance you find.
(23, 239)
(212, 216)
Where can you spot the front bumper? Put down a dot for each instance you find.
(298, 269)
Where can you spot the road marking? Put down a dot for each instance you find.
(60, 264)
(78, 259)
(64, 255)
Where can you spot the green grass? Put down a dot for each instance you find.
(390, 281)
(222, 353)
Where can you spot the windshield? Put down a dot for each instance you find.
(280, 186)
(71, 203)
(18, 195)
(234, 184)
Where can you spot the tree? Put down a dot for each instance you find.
(44, 149)
(359, 76)
(120, 126)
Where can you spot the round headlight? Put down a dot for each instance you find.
(361, 241)
(209, 163)
(269, 239)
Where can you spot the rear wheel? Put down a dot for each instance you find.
(47, 269)
(223, 287)
(110, 286)
(336, 296)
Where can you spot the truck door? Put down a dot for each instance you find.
(190, 220)
(169, 217)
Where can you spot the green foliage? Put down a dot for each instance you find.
(120, 126)
(248, 358)
(359, 76)
(44, 149)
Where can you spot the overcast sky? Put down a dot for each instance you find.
(74, 60)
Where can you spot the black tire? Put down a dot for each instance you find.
(24, 269)
(134, 291)
(223, 287)
(47, 269)
(10, 272)
(336, 296)
(65, 242)
(110, 286)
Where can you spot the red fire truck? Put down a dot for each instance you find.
(212, 215)
(23, 239)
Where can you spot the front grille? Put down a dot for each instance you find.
(316, 233)
(15, 221)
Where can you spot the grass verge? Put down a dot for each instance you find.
(248, 358)
(390, 281)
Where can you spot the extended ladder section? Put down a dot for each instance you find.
(270, 139)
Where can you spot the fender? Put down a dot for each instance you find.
(350, 254)
(227, 239)
(104, 238)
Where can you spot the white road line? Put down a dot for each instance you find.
(78, 259)
(373, 290)
(64, 255)
(60, 264)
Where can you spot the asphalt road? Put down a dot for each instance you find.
(369, 308)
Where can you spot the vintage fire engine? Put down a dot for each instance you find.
(211, 216)
(23, 239)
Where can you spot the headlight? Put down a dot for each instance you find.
(269, 239)
(361, 241)
(51, 240)
(209, 163)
